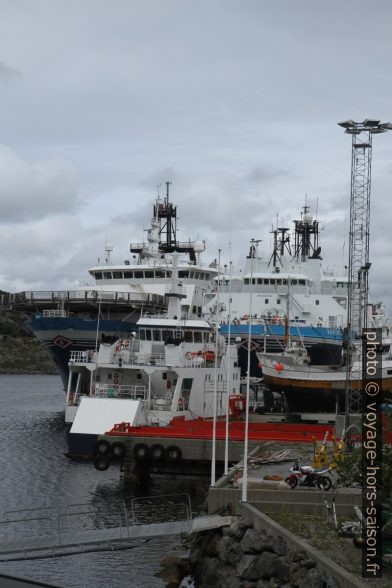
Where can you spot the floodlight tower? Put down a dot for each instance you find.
(359, 265)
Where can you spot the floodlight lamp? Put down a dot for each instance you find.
(346, 124)
(387, 126)
(377, 130)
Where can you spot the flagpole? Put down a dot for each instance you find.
(228, 375)
(245, 471)
(213, 459)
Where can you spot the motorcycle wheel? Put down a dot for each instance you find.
(292, 482)
(324, 482)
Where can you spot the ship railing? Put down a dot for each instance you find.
(179, 290)
(55, 313)
(136, 392)
(87, 356)
(50, 296)
(135, 358)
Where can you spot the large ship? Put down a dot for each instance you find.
(68, 321)
(292, 276)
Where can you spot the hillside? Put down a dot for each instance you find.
(20, 352)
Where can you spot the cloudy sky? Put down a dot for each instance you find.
(235, 102)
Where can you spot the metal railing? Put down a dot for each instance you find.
(87, 356)
(51, 296)
(120, 391)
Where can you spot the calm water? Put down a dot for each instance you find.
(35, 473)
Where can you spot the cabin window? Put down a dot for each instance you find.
(183, 274)
(139, 274)
(246, 281)
(128, 275)
(198, 337)
(259, 280)
(142, 335)
(188, 337)
(117, 275)
(107, 275)
(278, 301)
(138, 376)
(279, 282)
(301, 282)
(266, 300)
(266, 281)
(389, 372)
(294, 282)
(159, 273)
(284, 282)
(98, 275)
(168, 274)
(148, 274)
(253, 281)
(156, 335)
(317, 302)
(148, 334)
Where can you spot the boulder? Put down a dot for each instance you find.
(267, 564)
(278, 546)
(207, 571)
(233, 552)
(255, 542)
(282, 569)
(248, 568)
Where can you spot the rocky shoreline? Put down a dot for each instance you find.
(239, 556)
(20, 351)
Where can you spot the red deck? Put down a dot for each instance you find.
(202, 429)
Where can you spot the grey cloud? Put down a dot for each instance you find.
(37, 189)
(7, 73)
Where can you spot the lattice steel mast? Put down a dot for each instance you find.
(359, 265)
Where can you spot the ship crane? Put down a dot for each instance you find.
(359, 265)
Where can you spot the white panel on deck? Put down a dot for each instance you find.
(97, 416)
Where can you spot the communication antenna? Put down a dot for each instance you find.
(358, 265)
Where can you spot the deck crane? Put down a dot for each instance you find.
(359, 265)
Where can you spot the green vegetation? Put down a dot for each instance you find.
(20, 351)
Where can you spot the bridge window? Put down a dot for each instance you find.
(293, 282)
(156, 335)
(266, 300)
(168, 274)
(117, 275)
(272, 282)
(98, 275)
(246, 280)
(148, 274)
(317, 302)
(107, 275)
(148, 334)
(301, 282)
(159, 273)
(259, 280)
(139, 274)
(188, 337)
(278, 301)
(197, 337)
(279, 282)
(142, 334)
(128, 275)
(183, 274)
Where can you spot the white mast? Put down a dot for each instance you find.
(245, 471)
(228, 355)
(213, 460)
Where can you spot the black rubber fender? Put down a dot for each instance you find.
(118, 450)
(157, 452)
(173, 453)
(102, 462)
(140, 452)
(102, 447)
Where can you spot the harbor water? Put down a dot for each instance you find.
(35, 473)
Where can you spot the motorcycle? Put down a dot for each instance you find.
(308, 476)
